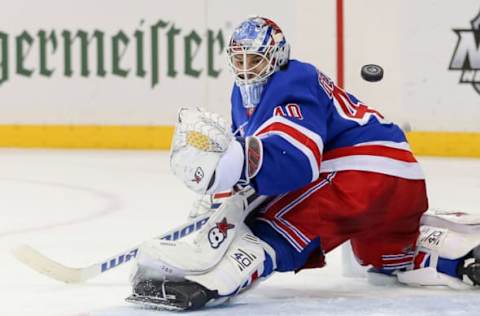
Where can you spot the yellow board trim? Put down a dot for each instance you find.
(86, 136)
(445, 144)
(450, 144)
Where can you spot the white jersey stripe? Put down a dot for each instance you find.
(393, 167)
(402, 145)
(304, 149)
(313, 161)
(280, 119)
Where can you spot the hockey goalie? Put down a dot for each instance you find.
(309, 166)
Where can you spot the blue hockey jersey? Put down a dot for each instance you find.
(307, 125)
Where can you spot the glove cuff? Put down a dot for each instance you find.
(229, 169)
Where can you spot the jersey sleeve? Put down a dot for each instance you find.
(292, 143)
(291, 156)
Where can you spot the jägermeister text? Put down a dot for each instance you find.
(160, 49)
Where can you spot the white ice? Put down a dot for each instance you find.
(82, 206)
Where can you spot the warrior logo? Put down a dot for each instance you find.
(467, 54)
(218, 233)
(198, 176)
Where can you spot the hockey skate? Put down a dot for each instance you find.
(172, 296)
(469, 270)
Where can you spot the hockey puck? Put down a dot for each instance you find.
(372, 73)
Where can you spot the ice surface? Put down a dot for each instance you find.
(82, 206)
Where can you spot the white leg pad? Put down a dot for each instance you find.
(172, 260)
(446, 243)
(445, 235)
(457, 221)
(242, 264)
(430, 277)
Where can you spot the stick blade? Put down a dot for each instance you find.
(40, 263)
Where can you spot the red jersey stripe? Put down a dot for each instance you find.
(295, 134)
(371, 150)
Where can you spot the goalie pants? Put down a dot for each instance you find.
(379, 214)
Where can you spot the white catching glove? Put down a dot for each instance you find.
(203, 145)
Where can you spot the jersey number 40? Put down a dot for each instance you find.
(355, 111)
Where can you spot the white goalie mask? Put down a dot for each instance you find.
(256, 50)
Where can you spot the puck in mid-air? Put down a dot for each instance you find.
(372, 73)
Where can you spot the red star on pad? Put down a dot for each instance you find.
(223, 226)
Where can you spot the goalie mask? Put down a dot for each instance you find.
(256, 50)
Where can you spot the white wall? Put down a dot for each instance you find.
(414, 41)
(58, 99)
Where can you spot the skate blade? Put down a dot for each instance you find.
(153, 303)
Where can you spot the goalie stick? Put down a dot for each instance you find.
(44, 265)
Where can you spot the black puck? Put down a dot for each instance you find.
(372, 73)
